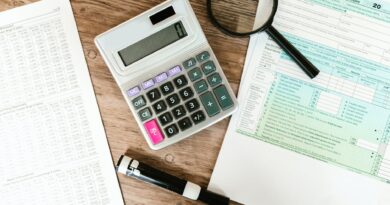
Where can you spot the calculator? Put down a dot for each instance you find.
(168, 73)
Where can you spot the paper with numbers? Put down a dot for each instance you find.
(53, 148)
(323, 141)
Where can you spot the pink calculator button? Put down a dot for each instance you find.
(154, 131)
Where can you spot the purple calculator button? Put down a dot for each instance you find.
(148, 84)
(161, 77)
(133, 91)
(173, 71)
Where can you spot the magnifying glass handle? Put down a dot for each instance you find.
(301, 60)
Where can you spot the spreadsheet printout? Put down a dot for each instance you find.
(53, 148)
(322, 141)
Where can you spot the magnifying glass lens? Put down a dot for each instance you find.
(239, 16)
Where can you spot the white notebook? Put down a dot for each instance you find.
(53, 148)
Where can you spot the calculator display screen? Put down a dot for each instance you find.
(153, 43)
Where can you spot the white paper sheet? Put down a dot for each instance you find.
(53, 148)
(344, 40)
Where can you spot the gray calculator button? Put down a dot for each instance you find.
(201, 86)
(210, 104)
(198, 117)
(171, 130)
(165, 118)
(214, 79)
(139, 102)
(179, 112)
(203, 56)
(195, 74)
(208, 67)
(223, 97)
(145, 114)
(189, 63)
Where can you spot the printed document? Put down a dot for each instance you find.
(53, 148)
(322, 141)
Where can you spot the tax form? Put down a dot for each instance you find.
(322, 141)
(53, 149)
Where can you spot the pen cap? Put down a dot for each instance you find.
(212, 198)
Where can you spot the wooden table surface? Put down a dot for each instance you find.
(193, 158)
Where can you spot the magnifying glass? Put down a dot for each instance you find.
(238, 18)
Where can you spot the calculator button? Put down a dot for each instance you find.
(201, 86)
(161, 77)
(180, 81)
(171, 130)
(154, 131)
(184, 123)
(148, 84)
(165, 118)
(179, 112)
(214, 79)
(186, 93)
(167, 88)
(210, 104)
(174, 71)
(198, 117)
(154, 95)
(133, 91)
(223, 97)
(203, 56)
(208, 67)
(192, 105)
(173, 100)
(145, 114)
(189, 63)
(195, 74)
(160, 106)
(139, 102)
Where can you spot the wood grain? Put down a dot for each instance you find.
(192, 159)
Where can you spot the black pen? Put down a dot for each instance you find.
(133, 168)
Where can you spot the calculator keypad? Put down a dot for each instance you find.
(179, 99)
